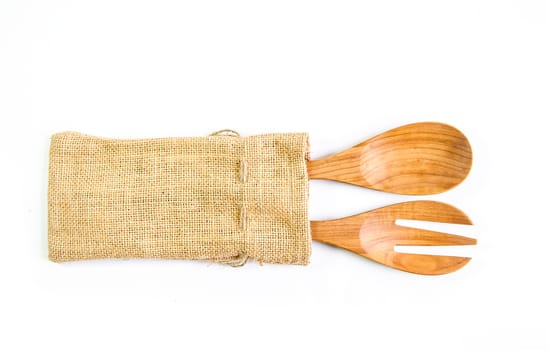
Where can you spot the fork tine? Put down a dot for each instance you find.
(427, 211)
(426, 264)
(418, 237)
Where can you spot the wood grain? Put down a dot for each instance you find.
(415, 159)
(374, 234)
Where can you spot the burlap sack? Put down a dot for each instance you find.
(218, 198)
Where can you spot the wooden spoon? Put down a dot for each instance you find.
(415, 159)
(374, 234)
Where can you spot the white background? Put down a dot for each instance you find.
(342, 71)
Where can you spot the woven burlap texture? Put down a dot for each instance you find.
(217, 198)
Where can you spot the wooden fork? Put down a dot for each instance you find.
(374, 234)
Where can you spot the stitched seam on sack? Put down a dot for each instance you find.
(243, 172)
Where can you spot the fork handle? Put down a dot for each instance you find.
(335, 232)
